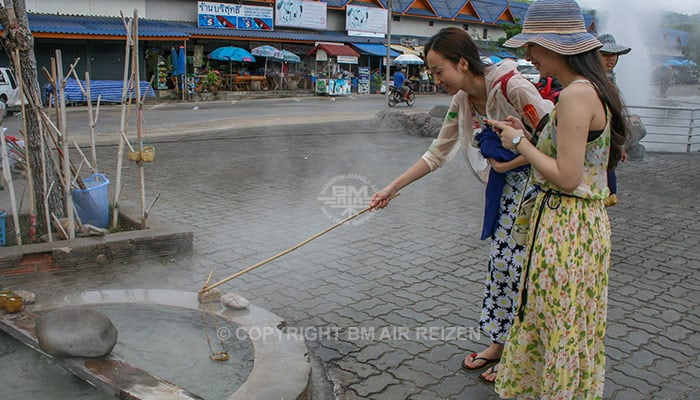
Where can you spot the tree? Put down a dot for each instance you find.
(510, 31)
(17, 36)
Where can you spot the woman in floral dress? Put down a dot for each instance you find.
(481, 91)
(555, 348)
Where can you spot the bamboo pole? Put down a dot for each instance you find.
(64, 144)
(59, 147)
(122, 126)
(8, 179)
(56, 83)
(85, 160)
(139, 117)
(207, 287)
(44, 178)
(28, 168)
(93, 150)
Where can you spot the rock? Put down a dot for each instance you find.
(635, 150)
(210, 296)
(422, 124)
(75, 332)
(27, 296)
(439, 112)
(101, 259)
(234, 302)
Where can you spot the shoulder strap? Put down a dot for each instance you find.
(503, 80)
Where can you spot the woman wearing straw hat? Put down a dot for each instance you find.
(611, 52)
(555, 348)
(479, 90)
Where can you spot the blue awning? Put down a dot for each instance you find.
(375, 49)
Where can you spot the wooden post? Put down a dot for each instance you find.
(63, 144)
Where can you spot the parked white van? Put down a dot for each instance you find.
(528, 70)
(9, 88)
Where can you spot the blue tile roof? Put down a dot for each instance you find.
(489, 10)
(448, 8)
(375, 49)
(101, 26)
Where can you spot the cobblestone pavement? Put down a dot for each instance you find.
(413, 272)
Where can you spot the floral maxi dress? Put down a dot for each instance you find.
(555, 349)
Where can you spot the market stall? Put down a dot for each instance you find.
(334, 66)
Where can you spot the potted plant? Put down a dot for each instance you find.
(213, 80)
(376, 84)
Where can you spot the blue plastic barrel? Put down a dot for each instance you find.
(3, 236)
(92, 203)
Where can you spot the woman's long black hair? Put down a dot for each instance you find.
(590, 65)
(455, 43)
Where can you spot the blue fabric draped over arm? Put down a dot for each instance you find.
(491, 147)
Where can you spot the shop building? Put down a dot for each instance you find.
(93, 30)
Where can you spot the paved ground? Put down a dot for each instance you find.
(412, 272)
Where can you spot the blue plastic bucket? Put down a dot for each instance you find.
(92, 203)
(3, 236)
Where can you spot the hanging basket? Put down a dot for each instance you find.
(146, 155)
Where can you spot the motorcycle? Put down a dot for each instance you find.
(396, 97)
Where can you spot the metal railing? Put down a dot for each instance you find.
(673, 129)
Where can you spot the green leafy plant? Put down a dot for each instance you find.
(213, 79)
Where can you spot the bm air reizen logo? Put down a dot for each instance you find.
(345, 195)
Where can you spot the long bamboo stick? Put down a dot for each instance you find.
(122, 126)
(59, 146)
(207, 288)
(66, 154)
(93, 150)
(44, 178)
(139, 118)
(85, 160)
(91, 121)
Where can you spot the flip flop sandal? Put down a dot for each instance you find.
(475, 356)
(489, 371)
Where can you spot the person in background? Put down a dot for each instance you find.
(611, 52)
(453, 59)
(662, 77)
(556, 348)
(399, 78)
(424, 80)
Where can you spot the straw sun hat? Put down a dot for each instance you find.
(611, 46)
(556, 25)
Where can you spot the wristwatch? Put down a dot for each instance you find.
(517, 140)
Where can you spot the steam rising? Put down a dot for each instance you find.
(636, 25)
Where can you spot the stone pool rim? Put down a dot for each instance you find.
(266, 379)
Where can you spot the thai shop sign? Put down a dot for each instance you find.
(234, 16)
(365, 21)
(363, 81)
(301, 14)
(346, 60)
